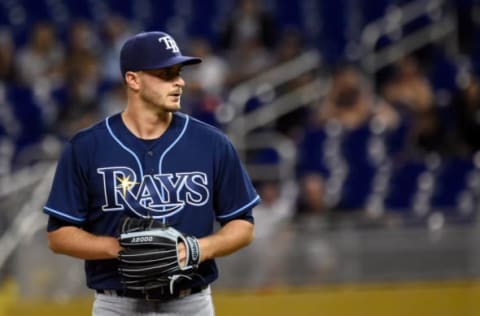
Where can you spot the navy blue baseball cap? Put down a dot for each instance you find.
(152, 50)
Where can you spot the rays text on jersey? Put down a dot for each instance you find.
(157, 195)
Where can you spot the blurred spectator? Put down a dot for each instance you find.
(247, 61)
(290, 46)
(337, 148)
(467, 24)
(311, 197)
(292, 124)
(114, 33)
(82, 40)
(466, 106)
(21, 118)
(79, 97)
(113, 100)
(248, 39)
(205, 82)
(351, 101)
(41, 59)
(7, 50)
(275, 209)
(9, 126)
(209, 76)
(411, 88)
(272, 219)
(248, 22)
(410, 91)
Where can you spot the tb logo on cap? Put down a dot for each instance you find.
(169, 43)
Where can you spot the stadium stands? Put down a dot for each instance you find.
(369, 165)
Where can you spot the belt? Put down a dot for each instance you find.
(160, 294)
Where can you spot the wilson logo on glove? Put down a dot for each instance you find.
(142, 239)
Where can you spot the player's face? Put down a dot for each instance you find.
(162, 88)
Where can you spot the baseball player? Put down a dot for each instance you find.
(150, 162)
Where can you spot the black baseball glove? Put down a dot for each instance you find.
(149, 258)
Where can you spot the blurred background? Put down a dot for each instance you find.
(358, 121)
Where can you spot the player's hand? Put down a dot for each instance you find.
(182, 256)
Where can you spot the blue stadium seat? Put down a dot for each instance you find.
(403, 185)
(28, 113)
(361, 169)
(451, 182)
(310, 153)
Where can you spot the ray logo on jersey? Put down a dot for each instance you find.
(157, 195)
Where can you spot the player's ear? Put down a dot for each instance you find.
(132, 80)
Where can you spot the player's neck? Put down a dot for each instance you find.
(146, 125)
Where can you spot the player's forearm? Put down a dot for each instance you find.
(231, 237)
(75, 242)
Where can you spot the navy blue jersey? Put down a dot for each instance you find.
(188, 178)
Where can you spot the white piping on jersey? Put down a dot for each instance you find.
(160, 161)
(124, 147)
(187, 119)
(51, 210)
(240, 209)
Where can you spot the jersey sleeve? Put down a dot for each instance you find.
(68, 196)
(235, 195)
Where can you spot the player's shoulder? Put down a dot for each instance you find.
(202, 128)
(85, 135)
